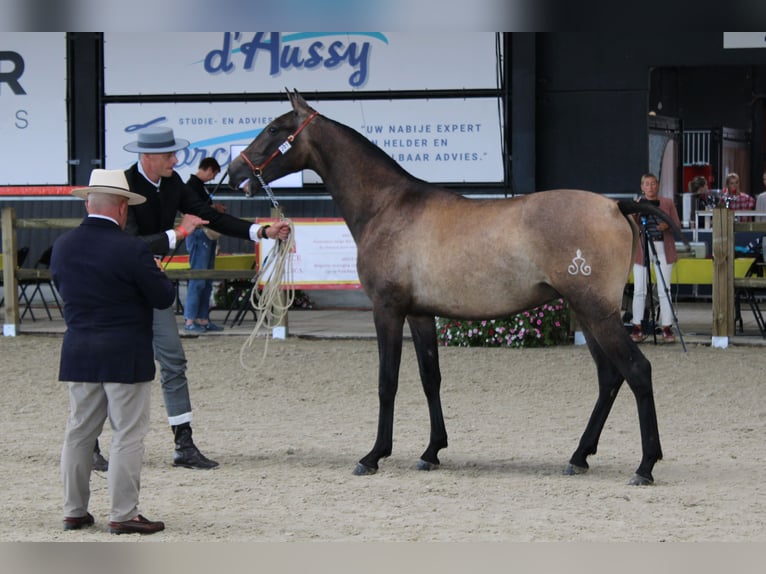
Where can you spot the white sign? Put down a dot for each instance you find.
(440, 140)
(33, 118)
(733, 40)
(324, 257)
(267, 62)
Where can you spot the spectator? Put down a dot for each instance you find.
(202, 244)
(110, 284)
(735, 199)
(661, 237)
(699, 188)
(760, 201)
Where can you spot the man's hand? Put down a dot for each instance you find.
(191, 222)
(278, 230)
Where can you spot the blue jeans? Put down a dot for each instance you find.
(201, 256)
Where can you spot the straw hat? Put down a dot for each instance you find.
(111, 181)
(156, 139)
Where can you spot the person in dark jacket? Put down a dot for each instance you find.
(154, 178)
(110, 285)
(202, 244)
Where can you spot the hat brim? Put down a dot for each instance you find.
(133, 198)
(136, 147)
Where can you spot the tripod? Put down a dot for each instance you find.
(648, 245)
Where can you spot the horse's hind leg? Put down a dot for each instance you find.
(618, 358)
(609, 382)
(388, 327)
(424, 337)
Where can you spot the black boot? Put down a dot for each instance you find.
(186, 453)
(99, 462)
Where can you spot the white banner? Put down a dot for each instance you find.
(324, 257)
(33, 120)
(262, 62)
(440, 140)
(733, 40)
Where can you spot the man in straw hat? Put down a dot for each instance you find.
(110, 284)
(154, 178)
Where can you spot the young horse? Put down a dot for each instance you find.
(424, 251)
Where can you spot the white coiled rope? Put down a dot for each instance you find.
(270, 305)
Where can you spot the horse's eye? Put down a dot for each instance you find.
(272, 130)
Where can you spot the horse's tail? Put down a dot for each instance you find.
(628, 207)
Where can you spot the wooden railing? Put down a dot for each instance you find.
(12, 275)
(724, 282)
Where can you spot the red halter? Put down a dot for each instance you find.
(284, 148)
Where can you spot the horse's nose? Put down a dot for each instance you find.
(236, 172)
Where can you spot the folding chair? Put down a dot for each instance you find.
(21, 257)
(42, 263)
(750, 296)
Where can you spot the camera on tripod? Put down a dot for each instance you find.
(650, 222)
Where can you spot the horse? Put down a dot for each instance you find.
(425, 251)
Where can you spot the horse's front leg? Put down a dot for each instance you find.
(388, 327)
(424, 337)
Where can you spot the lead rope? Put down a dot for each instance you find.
(278, 263)
(276, 270)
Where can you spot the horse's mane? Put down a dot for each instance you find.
(367, 148)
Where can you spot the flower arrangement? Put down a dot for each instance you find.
(543, 326)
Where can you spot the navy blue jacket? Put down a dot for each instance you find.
(110, 285)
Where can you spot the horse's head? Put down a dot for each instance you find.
(276, 151)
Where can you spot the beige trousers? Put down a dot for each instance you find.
(127, 407)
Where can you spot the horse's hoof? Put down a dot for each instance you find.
(573, 470)
(639, 480)
(364, 470)
(425, 465)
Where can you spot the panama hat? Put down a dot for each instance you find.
(156, 139)
(111, 181)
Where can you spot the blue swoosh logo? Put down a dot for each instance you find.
(250, 134)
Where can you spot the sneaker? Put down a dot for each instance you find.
(667, 335)
(637, 335)
(210, 326)
(193, 328)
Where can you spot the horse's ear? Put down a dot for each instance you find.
(297, 100)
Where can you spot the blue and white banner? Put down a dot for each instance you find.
(33, 114)
(267, 62)
(441, 140)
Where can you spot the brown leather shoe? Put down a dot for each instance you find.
(636, 334)
(77, 522)
(136, 525)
